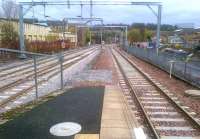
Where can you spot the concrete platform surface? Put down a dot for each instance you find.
(115, 121)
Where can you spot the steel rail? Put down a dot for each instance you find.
(48, 68)
(167, 71)
(41, 58)
(191, 119)
(25, 91)
(45, 60)
(134, 96)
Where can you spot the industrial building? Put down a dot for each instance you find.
(39, 32)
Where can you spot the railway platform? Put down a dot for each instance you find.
(116, 120)
(80, 105)
(112, 99)
(102, 112)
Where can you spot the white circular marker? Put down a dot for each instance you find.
(65, 129)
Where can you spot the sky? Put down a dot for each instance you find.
(173, 12)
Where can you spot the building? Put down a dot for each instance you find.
(68, 29)
(39, 31)
(175, 39)
(31, 31)
(191, 36)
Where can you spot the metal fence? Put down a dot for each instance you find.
(41, 74)
(31, 67)
(171, 63)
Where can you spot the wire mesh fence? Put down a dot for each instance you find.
(170, 62)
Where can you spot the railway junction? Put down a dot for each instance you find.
(101, 91)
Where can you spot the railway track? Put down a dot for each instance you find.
(24, 87)
(30, 61)
(26, 68)
(28, 65)
(14, 76)
(162, 113)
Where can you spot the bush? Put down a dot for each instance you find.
(178, 46)
(9, 38)
(48, 47)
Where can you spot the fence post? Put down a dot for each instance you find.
(35, 74)
(185, 69)
(61, 70)
(171, 67)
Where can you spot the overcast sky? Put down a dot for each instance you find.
(173, 12)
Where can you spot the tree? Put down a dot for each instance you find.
(10, 9)
(148, 35)
(134, 35)
(151, 26)
(9, 36)
(142, 33)
(196, 48)
(139, 35)
(87, 37)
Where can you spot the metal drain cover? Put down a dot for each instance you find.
(65, 129)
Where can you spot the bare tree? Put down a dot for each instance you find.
(10, 9)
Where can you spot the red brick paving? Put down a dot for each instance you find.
(105, 62)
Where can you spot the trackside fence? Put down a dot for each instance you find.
(172, 63)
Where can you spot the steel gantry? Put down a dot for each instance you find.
(124, 27)
(87, 20)
(90, 3)
(88, 26)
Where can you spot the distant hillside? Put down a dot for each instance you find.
(151, 26)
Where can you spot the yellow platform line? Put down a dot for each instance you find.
(87, 136)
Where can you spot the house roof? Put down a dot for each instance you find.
(27, 21)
